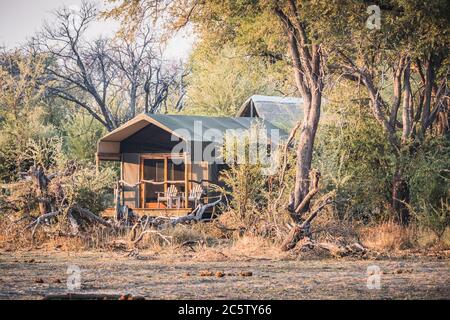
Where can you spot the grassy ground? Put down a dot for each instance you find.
(34, 274)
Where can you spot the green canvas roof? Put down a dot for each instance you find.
(184, 126)
(175, 122)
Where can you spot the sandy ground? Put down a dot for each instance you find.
(32, 275)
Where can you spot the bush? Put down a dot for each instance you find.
(251, 184)
(430, 185)
(245, 186)
(72, 183)
(15, 137)
(90, 189)
(353, 157)
(83, 132)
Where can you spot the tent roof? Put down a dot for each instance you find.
(282, 112)
(183, 126)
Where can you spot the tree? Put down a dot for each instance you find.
(140, 63)
(105, 77)
(219, 83)
(404, 66)
(22, 110)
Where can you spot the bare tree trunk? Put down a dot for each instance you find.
(400, 197)
(443, 120)
(40, 181)
(307, 63)
(407, 114)
(304, 153)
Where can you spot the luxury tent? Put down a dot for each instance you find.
(157, 151)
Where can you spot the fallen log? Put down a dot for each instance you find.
(300, 231)
(36, 222)
(143, 233)
(91, 216)
(197, 213)
(335, 250)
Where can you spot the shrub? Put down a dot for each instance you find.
(430, 185)
(352, 155)
(436, 219)
(245, 185)
(83, 132)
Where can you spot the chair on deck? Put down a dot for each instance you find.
(169, 196)
(195, 194)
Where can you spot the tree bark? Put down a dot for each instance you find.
(400, 197)
(306, 60)
(305, 152)
(407, 114)
(40, 181)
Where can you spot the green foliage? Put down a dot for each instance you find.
(83, 132)
(22, 112)
(245, 185)
(436, 219)
(220, 83)
(15, 137)
(353, 156)
(430, 185)
(90, 189)
(28, 137)
(356, 160)
(246, 179)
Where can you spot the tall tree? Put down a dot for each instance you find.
(106, 77)
(404, 66)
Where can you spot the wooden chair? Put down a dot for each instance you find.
(169, 196)
(195, 194)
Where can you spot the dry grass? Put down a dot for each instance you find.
(15, 236)
(210, 242)
(255, 247)
(326, 228)
(388, 236)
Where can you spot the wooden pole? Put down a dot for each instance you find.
(186, 179)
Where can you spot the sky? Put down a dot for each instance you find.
(21, 19)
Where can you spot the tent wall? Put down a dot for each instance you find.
(199, 173)
(150, 139)
(130, 174)
(249, 110)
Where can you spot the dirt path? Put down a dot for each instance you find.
(31, 275)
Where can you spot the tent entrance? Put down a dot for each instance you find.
(157, 173)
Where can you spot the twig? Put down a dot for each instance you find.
(141, 236)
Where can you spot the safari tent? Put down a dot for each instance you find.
(283, 112)
(158, 151)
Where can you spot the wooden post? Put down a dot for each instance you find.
(186, 183)
(166, 171)
(97, 163)
(141, 185)
(117, 195)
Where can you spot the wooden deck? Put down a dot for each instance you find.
(163, 212)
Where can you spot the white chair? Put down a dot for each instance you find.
(169, 196)
(195, 194)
